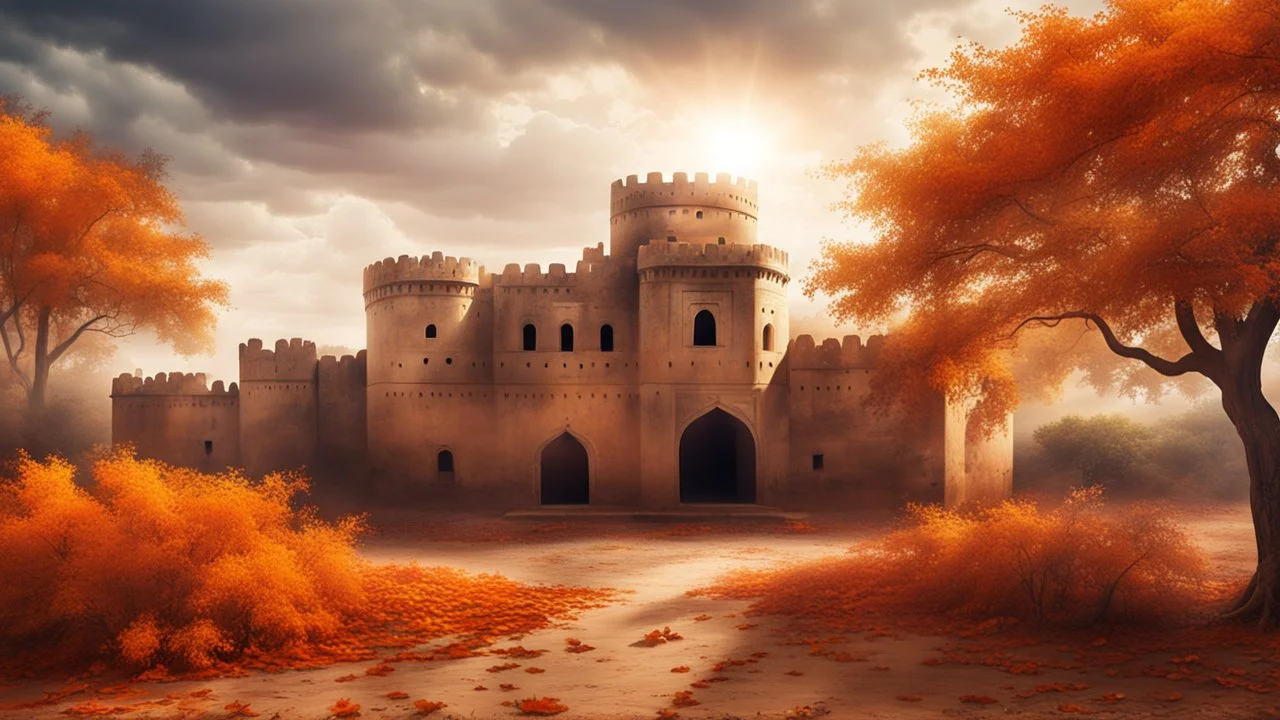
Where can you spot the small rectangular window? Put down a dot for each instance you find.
(671, 238)
(817, 461)
(208, 447)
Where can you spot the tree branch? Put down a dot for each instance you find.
(62, 346)
(1169, 368)
(1190, 329)
(972, 251)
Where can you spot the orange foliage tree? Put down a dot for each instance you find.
(1119, 171)
(90, 242)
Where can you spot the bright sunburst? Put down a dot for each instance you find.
(733, 144)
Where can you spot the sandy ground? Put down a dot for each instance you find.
(621, 680)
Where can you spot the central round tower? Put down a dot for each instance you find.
(722, 212)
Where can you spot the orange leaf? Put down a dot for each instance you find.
(344, 708)
(680, 669)
(541, 706)
(426, 707)
(397, 695)
(239, 709)
(978, 699)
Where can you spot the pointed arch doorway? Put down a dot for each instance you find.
(564, 472)
(717, 460)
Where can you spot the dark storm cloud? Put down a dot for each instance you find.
(359, 65)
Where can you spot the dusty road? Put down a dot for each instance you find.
(887, 679)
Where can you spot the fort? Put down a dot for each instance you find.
(660, 373)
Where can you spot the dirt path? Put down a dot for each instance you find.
(885, 679)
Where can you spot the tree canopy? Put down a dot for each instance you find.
(1118, 172)
(91, 241)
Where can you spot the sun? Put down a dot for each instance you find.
(735, 145)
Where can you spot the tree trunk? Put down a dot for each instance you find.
(40, 377)
(1258, 426)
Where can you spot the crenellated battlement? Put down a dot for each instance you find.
(174, 383)
(435, 267)
(594, 269)
(738, 194)
(293, 360)
(850, 353)
(660, 253)
(332, 362)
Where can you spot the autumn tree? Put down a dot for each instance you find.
(91, 241)
(1118, 173)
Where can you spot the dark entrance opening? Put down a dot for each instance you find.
(444, 468)
(717, 460)
(565, 473)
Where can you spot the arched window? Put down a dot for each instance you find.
(704, 328)
(767, 340)
(444, 461)
(566, 338)
(606, 338)
(530, 337)
(431, 331)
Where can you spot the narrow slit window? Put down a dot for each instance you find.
(767, 339)
(208, 447)
(566, 338)
(606, 338)
(818, 461)
(444, 461)
(530, 337)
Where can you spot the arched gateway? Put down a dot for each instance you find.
(565, 473)
(717, 460)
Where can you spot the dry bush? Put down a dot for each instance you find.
(1072, 565)
(163, 565)
(166, 566)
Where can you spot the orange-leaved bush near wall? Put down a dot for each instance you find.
(214, 574)
(1115, 173)
(1070, 565)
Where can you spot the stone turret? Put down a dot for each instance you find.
(723, 211)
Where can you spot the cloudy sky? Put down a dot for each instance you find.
(309, 138)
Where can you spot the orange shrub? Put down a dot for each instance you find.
(166, 566)
(1070, 565)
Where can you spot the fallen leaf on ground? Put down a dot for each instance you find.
(344, 708)
(426, 707)
(909, 698)
(680, 669)
(239, 709)
(684, 698)
(541, 706)
(978, 699)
